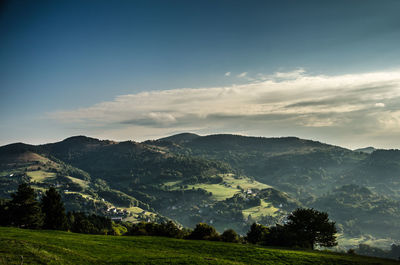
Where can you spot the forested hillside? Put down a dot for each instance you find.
(229, 181)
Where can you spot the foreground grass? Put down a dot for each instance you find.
(54, 247)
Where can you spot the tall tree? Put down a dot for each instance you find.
(24, 209)
(54, 211)
(311, 228)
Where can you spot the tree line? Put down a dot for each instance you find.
(304, 228)
(25, 211)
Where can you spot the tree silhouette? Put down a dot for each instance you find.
(54, 211)
(25, 210)
(312, 227)
(230, 236)
(204, 231)
(257, 233)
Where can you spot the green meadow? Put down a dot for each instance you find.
(19, 246)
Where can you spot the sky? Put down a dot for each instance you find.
(136, 70)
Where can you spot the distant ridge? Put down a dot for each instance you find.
(223, 142)
(367, 150)
(180, 138)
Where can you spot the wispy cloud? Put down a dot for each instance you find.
(352, 110)
(241, 75)
(228, 74)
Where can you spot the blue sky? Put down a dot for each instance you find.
(84, 67)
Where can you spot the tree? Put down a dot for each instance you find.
(54, 211)
(230, 236)
(81, 224)
(24, 209)
(4, 213)
(279, 235)
(204, 231)
(257, 233)
(170, 229)
(311, 227)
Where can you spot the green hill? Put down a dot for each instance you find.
(23, 163)
(300, 167)
(311, 173)
(229, 181)
(353, 206)
(18, 246)
(147, 180)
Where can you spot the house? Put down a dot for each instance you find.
(112, 209)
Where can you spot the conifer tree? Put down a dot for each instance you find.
(53, 210)
(25, 209)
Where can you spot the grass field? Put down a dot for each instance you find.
(219, 191)
(19, 246)
(264, 209)
(84, 184)
(382, 243)
(222, 191)
(244, 182)
(40, 176)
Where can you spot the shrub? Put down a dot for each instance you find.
(204, 231)
(230, 236)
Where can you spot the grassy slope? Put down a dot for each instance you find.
(54, 247)
(265, 208)
(224, 190)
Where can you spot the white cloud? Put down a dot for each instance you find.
(228, 74)
(241, 75)
(335, 109)
(290, 75)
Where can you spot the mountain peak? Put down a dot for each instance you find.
(181, 137)
(80, 138)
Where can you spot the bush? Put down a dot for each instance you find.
(230, 236)
(351, 251)
(204, 231)
(257, 233)
(168, 229)
(93, 224)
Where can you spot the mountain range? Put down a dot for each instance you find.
(229, 181)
